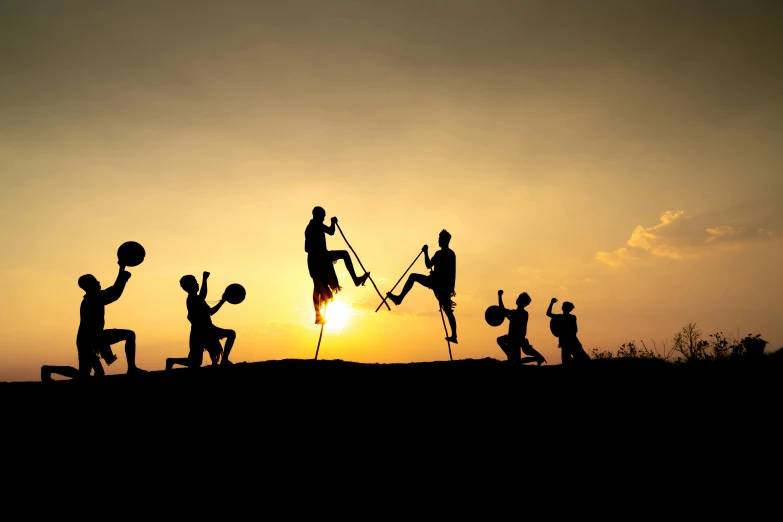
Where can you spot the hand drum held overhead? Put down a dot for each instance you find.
(494, 315)
(235, 293)
(130, 253)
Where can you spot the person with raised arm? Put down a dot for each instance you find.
(563, 326)
(93, 342)
(203, 334)
(516, 339)
(320, 262)
(441, 280)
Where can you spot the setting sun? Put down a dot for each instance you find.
(337, 315)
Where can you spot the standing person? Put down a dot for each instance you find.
(516, 339)
(564, 327)
(441, 280)
(203, 334)
(320, 262)
(92, 340)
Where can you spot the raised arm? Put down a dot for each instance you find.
(114, 292)
(330, 229)
(506, 312)
(427, 261)
(549, 310)
(203, 292)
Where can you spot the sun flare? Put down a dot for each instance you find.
(337, 315)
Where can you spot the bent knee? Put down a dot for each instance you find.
(231, 334)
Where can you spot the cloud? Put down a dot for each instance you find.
(732, 236)
(679, 236)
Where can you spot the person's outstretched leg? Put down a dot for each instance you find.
(182, 361)
(88, 362)
(343, 254)
(413, 278)
(65, 371)
(533, 354)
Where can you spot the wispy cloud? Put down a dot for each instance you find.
(678, 236)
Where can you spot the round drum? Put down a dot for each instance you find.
(130, 253)
(235, 293)
(494, 315)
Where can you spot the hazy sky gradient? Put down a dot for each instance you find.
(624, 156)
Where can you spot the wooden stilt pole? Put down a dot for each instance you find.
(319, 343)
(398, 282)
(445, 330)
(360, 264)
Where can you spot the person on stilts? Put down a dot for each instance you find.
(441, 280)
(320, 263)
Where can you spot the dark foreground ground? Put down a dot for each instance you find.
(603, 395)
(625, 421)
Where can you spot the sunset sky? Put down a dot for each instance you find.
(622, 155)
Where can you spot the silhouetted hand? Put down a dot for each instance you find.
(334, 220)
(206, 275)
(554, 299)
(500, 292)
(425, 248)
(125, 273)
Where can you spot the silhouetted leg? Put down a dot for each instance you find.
(230, 336)
(533, 354)
(116, 335)
(505, 346)
(214, 348)
(87, 362)
(182, 361)
(579, 353)
(343, 254)
(452, 323)
(422, 279)
(319, 319)
(65, 371)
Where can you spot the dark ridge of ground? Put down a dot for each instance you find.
(463, 385)
(278, 418)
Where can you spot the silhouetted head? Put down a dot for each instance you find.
(523, 300)
(567, 307)
(319, 214)
(189, 284)
(443, 238)
(88, 283)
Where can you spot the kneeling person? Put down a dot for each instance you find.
(516, 340)
(203, 334)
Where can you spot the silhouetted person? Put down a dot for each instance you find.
(443, 275)
(516, 339)
(203, 334)
(572, 351)
(320, 262)
(92, 340)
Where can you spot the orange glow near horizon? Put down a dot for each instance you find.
(627, 172)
